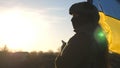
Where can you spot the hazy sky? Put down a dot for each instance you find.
(34, 25)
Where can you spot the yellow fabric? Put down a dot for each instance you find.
(112, 30)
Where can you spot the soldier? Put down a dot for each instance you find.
(88, 47)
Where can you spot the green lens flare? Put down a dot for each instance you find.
(99, 35)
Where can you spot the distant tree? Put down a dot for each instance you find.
(4, 55)
(5, 49)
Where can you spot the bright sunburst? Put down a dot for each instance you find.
(18, 29)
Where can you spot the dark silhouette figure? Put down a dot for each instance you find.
(88, 47)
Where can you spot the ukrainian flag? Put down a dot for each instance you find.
(110, 21)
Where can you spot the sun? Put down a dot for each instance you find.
(17, 31)
(25, 30)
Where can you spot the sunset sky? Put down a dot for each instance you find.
(35, 25)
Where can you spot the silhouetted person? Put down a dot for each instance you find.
(88, 47)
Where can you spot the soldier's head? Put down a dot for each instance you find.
(83, 13)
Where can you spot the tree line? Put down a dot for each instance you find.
(27, 59)
(39, 59)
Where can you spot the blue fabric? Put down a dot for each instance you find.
(109, 7)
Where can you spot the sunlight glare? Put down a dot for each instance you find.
(19, 29)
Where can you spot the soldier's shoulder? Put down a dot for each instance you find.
(80, 37)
